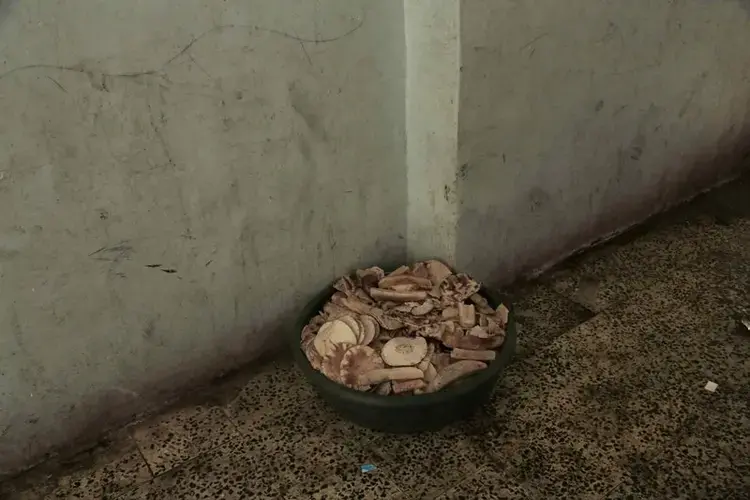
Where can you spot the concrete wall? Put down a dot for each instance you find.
(433, 51)
(175, 178)
(579, 118)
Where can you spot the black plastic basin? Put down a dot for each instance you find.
(410, 413)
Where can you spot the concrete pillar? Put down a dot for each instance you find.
(432, 86)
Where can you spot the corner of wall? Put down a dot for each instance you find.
(432, 31)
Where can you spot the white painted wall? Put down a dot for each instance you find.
(433, 53)
(579, 118)
(255, 148)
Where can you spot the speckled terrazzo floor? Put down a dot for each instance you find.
(605, 400)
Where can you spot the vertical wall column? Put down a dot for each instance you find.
(432, 90)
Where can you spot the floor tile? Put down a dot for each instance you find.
(722, 419)
(698, 346)
(602, 380)
(596, 292)
(543, 314)
(336, 453)
(331, 422)
(609, 275)
(691, 469)
(729, 267)
(426, 465)
(278, 387)
(233, 471)
(487, 484)
(626, 380)
(171, 439)
(365, 486)
(558, 463)
(299, 414)
(308, 419)
(99, 474)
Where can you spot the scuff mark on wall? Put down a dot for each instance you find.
(114, 253)
(5, 8)
(744, 4)
(304, 108)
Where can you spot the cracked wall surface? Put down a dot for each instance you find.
(175, 180)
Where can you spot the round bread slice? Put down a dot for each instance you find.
(370, 329)
(331, 366)
(357, 360)
(354, 324)
(331, 333)
(404, 351)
